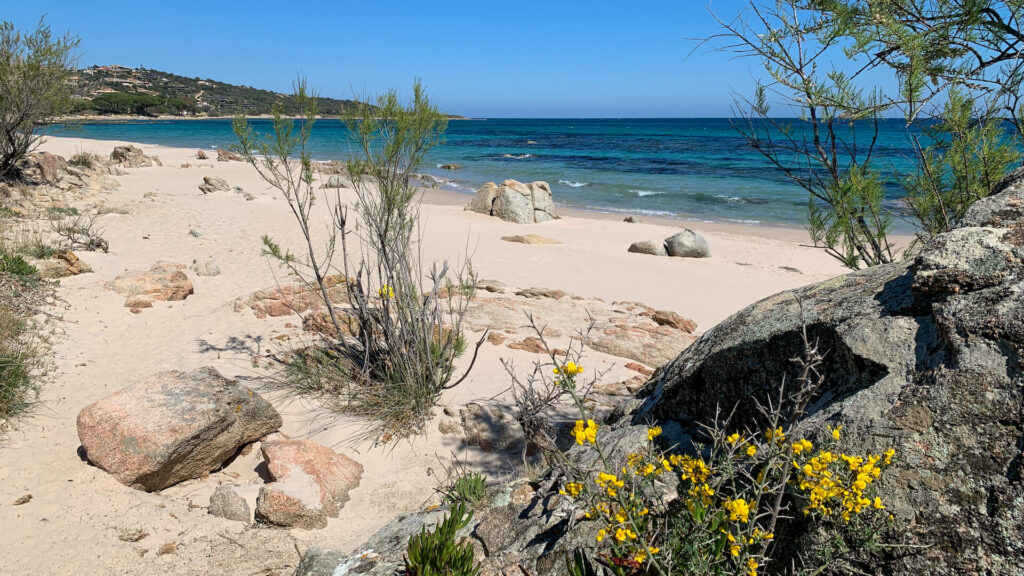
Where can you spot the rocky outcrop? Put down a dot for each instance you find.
(43, 168)
(201, 155)
(164, 281)
(310, 483)
(213, 184)
(224, 155)
(172, 426)
(923, 357)
(64, 263)
(687, 244)
(132, 157)
(292, 299)
(515, 202)
(625, 329)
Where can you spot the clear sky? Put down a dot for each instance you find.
(482, 58)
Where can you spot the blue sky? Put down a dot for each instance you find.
(559, 58)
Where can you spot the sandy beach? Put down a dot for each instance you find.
(78, 514)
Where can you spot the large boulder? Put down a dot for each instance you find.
(172, 426)
(687, 244)
(923, 357)
(213, 184)
(515, 202)
(310, 483)
(43, 168)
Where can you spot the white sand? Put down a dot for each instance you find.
(71, 525)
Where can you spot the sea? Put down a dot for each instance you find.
(689, 168)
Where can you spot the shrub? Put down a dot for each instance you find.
(436, 553)
(80, 232)
(734, 491)
(394, 339)
(35, 88)
(16, 265)
(468, 489)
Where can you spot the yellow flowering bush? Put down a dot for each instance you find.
(731, 492)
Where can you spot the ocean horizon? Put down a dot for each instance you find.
(687, 168)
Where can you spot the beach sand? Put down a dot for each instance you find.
(78, 516)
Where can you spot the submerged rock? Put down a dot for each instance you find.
(172, 426)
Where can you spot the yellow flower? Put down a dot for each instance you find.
(386, 292)
(802, 445)
(570, 369)
(877, 504)
(654, 432)
(601, 534)
(572, 489)
(585, 432)
(733, 438)
(835, 432)
(751, 567)
(738, 509)
(751, 450)
(735, 549)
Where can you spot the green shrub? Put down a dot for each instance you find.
(436, 553)
(468, 489)
(16, 265)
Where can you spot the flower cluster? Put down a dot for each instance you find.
(837, 485)
(585, 432)
(386, 292)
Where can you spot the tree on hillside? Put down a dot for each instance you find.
(36, 70)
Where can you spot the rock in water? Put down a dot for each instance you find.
(515, 202)
(923, 357)
(648, 247)
(311, 483)
(687, 244)
(226, 503)
(172, 426)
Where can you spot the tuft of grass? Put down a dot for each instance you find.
(21, 361)
(469, 489)
(56, 212)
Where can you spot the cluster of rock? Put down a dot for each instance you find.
(515, 202)
(213, 184)
(164, 281)
(685, 244)
(49, 181)
(132, 157)
(177, 426)
(224, 155)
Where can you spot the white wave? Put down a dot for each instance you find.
(642, 193)
(728, 198)
(573, 184)
(517, 156)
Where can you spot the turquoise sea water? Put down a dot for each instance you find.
(692, 168)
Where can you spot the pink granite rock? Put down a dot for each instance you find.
(310, 483)
(172, 426)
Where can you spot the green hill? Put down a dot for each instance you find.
(107, 90)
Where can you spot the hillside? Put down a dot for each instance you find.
(108, 90)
